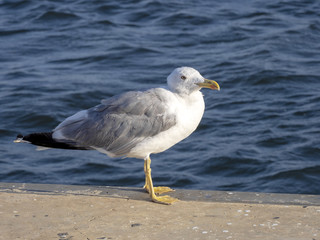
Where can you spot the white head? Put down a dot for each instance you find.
(186, 80)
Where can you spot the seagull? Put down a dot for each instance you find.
(135, 124)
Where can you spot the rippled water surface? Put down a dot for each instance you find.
(261, 132)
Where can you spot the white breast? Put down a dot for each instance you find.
(189, 111)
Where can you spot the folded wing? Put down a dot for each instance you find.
(119, 123)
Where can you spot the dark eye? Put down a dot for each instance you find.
(183, 77)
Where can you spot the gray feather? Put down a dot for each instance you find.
(119, 123)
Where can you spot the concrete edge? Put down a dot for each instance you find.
(184, 195)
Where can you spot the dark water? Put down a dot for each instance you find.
(261, 132)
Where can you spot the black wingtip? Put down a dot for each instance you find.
(44, 139)
(19, 138)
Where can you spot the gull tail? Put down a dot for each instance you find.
(45, 140)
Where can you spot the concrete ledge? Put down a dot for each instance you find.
(184, 195)
(44, 211)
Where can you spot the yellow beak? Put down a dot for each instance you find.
(209, 84)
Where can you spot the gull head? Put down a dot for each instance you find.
(186, 80)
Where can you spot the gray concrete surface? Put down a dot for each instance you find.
(36, 211)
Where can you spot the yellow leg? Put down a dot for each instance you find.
(149, 186)
(157, 190)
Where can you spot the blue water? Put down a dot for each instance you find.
(261, 132)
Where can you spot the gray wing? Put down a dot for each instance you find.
(118, 123)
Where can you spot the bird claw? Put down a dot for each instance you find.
(164, 199)
(159, 190)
